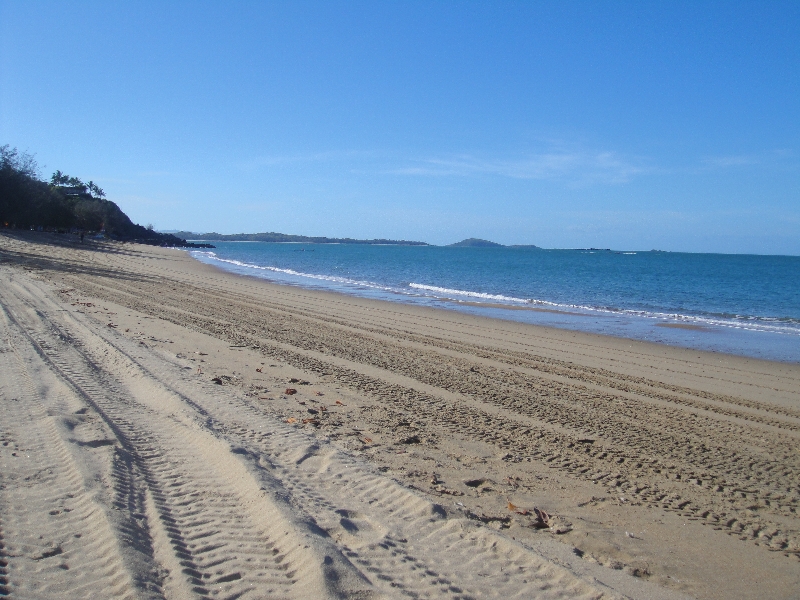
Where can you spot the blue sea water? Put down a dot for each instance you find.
(739, 304)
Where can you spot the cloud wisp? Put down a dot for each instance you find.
(313, 157)
(774, 158)
(576, 167)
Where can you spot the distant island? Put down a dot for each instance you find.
(479, 243)
(272, 236)
(475, 243)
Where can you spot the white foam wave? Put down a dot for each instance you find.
(742, 322)
(446, 291)
(737, 322)
(330, 278)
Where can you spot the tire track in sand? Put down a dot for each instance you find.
(206, 473)
(57, 540)
(658, 454)
(386, 530)
(222, 549)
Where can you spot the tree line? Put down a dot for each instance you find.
(60, 179)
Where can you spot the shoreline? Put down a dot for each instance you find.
(675, 330)
(447, 307)
(636, 449)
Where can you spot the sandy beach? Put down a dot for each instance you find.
(169, 430)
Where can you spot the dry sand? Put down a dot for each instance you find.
(149, 447)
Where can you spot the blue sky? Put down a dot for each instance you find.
(631, 125)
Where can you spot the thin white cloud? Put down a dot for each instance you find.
(730, 161)
(313, 157)
(779, 157)
(579, 167)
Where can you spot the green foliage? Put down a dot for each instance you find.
(62, 203)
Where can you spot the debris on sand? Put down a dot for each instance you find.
(412, 439)
(474, 483)
(445, 490)
(541, 519)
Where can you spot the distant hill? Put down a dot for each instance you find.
(288, 238)
(479, 243)
(475, 243)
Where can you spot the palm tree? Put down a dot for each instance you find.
(59, 178)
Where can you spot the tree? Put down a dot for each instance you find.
(21, 162)
(96, 191)
(77, 183)
(59, 178)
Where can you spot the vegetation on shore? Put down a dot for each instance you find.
(64, 204)
(272, 236)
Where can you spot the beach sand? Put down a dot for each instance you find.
(171, 430)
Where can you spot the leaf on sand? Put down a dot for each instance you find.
(339, 402)
(290, 391)
(517, 510)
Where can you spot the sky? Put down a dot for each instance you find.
(625, 125)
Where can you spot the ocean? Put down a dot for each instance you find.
(738, 304)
